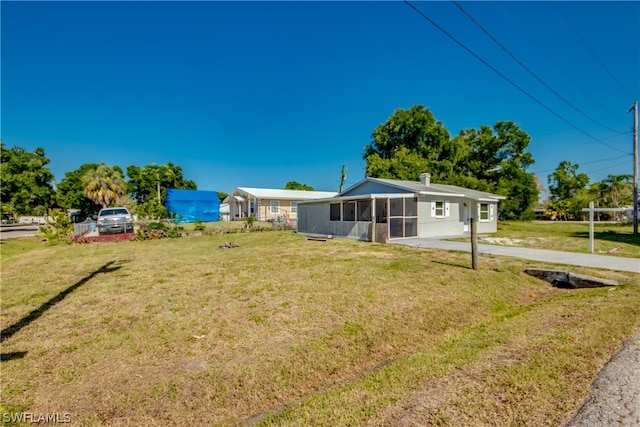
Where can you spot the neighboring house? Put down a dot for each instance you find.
(267, 204)
(378, 209)
(224, 212)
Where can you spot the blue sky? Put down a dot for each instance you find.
(260, 93)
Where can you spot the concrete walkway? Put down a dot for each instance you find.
(557, 257)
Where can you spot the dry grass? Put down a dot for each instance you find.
(282, 330)
(614, 239)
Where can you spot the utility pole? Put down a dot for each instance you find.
(343, 177)
(635, 167)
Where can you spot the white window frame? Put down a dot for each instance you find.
(488, 212)
(274, 207)
(293, 206)
(445, 208)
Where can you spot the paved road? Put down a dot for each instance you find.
(615, 393)
(557, 257)
(8, 232)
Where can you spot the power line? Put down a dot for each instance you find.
(613, 159)
(536, 100)
(527, 69)
(592, 51)
(576, 145)
(610, 167)
(556, 63)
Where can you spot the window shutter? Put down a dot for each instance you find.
(433, 209)
(479, 204)
(491, 212)
(446, 209)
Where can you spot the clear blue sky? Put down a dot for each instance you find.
(260, 93)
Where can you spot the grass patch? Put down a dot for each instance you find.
(614, 239)
(282, 330)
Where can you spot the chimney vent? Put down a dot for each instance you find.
(425, 178)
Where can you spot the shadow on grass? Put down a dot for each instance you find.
(453, 265)
(35, 314)
(5, 357)
(611, 236)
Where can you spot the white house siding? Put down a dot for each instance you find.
(490, 226)
(430, 226)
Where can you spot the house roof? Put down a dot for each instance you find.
(278, 194)
(432, 189)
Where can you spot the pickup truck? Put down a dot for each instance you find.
(114, 220)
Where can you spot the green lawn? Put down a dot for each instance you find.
(285, 331)
(609, 238)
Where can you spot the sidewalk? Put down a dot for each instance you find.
(557, 257)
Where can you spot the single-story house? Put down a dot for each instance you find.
(268, 204)
(378, 209)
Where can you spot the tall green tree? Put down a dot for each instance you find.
(104, 185)
(492, 159)
(406, 138)
(295, 185)
(567, 188)
(71, 194)
(620, 190)
(566, 182)
(27, 182)
(150, 183)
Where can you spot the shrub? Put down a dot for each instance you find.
(198, 225)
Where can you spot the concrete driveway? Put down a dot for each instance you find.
(556, 257)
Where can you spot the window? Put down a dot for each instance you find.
(404, 217)
(293, 207)
(349, 211)
(334, 212)
(484, 212)
(396, 207)
(364, 210)
(411, 207)
(439, 209)
(275, 207)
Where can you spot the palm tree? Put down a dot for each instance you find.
(104, 185)
(616, 186)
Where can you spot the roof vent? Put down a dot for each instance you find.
(425, 178)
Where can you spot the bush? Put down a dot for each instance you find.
(198, 225)
(58, 228)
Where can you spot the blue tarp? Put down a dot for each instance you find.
(191, 205)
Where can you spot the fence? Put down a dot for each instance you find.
(81, 228)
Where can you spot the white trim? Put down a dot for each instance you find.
(274, 204)
(434, 209)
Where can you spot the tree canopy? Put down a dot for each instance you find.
(71, 195)
(104, 185)
(27, 182)
(492, 159)
(295, 185)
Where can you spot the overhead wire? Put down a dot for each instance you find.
(507, 79)
(592, 51)
(556, 63)
(527, 69)
(613, 159)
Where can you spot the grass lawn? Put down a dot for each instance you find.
(285, 331)
(609, 238)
